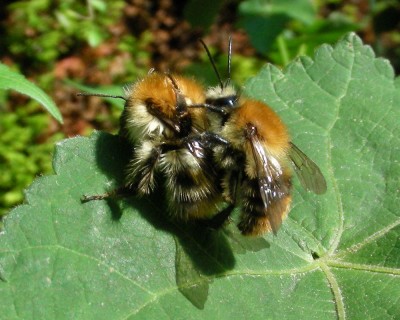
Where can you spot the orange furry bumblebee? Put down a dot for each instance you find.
(257, 156)
(164, 135)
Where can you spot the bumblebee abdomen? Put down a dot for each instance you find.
(192, 185)
(256, 218)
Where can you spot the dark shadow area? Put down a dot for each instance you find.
(201, 253)
(112, 156)
(315, 255)
(3, 279)
(202, 257)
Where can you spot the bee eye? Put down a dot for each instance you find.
(228, 101)
(232, 100)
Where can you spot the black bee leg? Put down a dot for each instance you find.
(119, 192)
(217, 221)
(211, 140)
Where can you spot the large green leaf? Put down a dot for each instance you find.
(336, 256)
(12, 80)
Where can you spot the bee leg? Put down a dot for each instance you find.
(212, 139)
(119, 192)
(217, 221)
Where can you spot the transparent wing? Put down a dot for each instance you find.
(273, 188)
(204, 159)
(309, 174)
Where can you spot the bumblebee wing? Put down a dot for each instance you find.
(309, 174)
(196, 148)
(203, 157)
(271, 183)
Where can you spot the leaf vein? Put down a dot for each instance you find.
(362, 267)
(337, 294)
(100, 262)
(339, 201)
(375, 236)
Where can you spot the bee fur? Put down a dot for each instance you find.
(164, 135)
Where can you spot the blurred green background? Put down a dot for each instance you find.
(68, 46)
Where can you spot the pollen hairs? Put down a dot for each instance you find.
(215, 150)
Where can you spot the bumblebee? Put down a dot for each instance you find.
(256, 154)
(164, 134)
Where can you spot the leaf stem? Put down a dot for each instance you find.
(337, 294)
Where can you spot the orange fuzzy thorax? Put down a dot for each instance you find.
(157, 89)
(270, 128)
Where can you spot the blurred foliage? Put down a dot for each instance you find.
(37, 34)
(282, 30)
(139, 57)
(242, 68)
(292, 28)
(22, 158)
(44, 30)
(208, 8)
(386, 21)
(42, 33)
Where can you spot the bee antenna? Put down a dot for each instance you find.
(174, 84)
(229, 59)
(212, 63)
(88, 94)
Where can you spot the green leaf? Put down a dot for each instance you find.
(336, 255)
(93, 34)
(302, 10)
(201, 13)
(13, 80)
(264, 20)
(264, 30)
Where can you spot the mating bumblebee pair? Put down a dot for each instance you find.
(215, 149)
